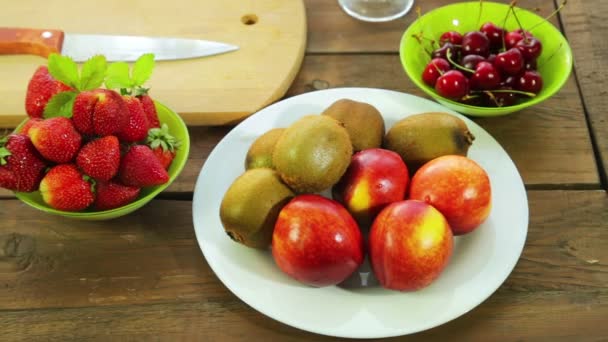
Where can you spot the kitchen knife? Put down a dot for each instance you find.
(81, 47)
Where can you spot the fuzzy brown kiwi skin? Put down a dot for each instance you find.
(313, 153)
(422, 137)
(260, 152)
(362, 120)
(251, 206)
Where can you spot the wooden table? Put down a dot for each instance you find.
(143, 277)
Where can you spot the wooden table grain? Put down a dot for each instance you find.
(142, 277)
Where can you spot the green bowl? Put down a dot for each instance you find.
(177, 128)
(555, 61)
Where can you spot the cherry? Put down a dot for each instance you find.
(491, 58)
(475, 43)
(450, 37)
(442, 52)
(530, 81)
(486, 77)
(501, 98)
(471, 61)
(510, 62)
(530, 48)
(530, 64)
(512, 38)
(524, 33)
(494, 34)
(434, 69)
(452, 85)
(508, 82)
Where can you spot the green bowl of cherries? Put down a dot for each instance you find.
(484, 58)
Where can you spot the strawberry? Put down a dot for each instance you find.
(99, 112)
(41, 87)
(99, 159)
(56, 139)
(110, 195)
(28, 124)
(65, 188)
(136, 128)
(139, 167)
(21, 167)
(162, 144)
(150, 110)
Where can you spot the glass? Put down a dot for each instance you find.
(376, 10)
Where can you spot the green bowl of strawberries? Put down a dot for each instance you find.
(88, 152)
(484, 58)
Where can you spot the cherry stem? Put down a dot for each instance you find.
(479, 14)
(523, 32)
(506, 91)
(469, 97)
(489, 93)
(559, 8)
(552, 55)
(504, 24)
(438, 70)
(448, 54)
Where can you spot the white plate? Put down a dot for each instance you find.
(481, 261)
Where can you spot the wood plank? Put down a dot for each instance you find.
(584, 23)
(143, 275)
(546, 316)
(549, 143)
(331, 30)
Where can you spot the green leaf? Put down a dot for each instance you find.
(60, 105)
(64, 69)
(93, 73)
(142, 69)
(117, 76)
(4, 152)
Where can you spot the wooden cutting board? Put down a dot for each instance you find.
(215, 90)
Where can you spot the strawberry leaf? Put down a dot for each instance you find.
(60, 105)
(4, 152)
(117, 76)
(64, 69)
(93, 73)
(142, 69)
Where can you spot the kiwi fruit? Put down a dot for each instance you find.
(251, 206)
(422, 137)
(260, 152)
(312, 154)
(363, 122)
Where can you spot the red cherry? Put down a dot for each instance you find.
(435, 68)
(527, 33)
(494, 34)
(509, 82)
(442, 52)
(450, 37)
(530, 82)
(510, 62)
(486, 77)
(475, 43)
(491, 58)
(501, 99)
(471, 61)
(530, 48)
(530, 65)
(452, 85)
(512, 38)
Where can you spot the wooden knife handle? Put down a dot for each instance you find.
(18, 41)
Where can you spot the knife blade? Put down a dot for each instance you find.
(81, 47)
